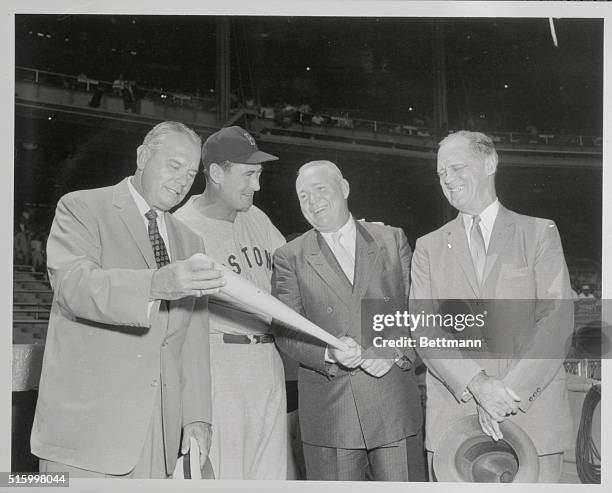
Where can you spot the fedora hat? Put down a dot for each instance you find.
(466, 454)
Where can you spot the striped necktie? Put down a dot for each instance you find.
(478, 248)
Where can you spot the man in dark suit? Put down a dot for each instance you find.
(355, 411)
(126, 363)
(491, 253)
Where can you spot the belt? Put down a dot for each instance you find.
(247, 339)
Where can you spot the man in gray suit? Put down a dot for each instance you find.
(126, 367)
(355, 411)
(491, 253)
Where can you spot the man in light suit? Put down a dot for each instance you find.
(126, 362)
(491, 253)
(355, 411)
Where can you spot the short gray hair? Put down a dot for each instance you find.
(322, 164)
(479, 143)
(155, 138)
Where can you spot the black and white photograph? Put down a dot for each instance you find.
(320, 244)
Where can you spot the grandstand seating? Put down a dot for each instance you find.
(32, 298)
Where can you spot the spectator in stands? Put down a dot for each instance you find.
(289, 115)
(586, 291)
(304, 114)
(127, 93)
(266, 112)
(344, 121)
(317, 119)
(21, 250)
(119, 85)
(126, 362)
(278, 113)
(82, 81)
(531, 129)
(36, 252)
(21, 240)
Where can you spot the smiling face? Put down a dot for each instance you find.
(323, 198)
(237, 185)
(466, 178)
(166, 172)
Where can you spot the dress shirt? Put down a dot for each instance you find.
(143, 208)
(487, 220)
(349, 232)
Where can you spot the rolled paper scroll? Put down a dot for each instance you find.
(255, 298)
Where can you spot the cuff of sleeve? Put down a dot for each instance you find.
(467, 395)
(328, 358)
(403, 362)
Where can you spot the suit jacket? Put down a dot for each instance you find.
(104, 355)
(339, 408)
(524, 262)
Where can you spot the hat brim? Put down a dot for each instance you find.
(256, 157)
(466, 431)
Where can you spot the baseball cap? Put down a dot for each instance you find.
(233, 144)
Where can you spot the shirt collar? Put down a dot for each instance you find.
(487, 220)
(487, 217)
(141, 203)
(348, 230)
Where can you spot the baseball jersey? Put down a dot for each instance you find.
(245, 246)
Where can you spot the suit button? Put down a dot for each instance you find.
(330, 309)
(353, 372)
(154, 383)
(165, 344)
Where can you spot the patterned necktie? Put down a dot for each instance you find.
(343, 256)
(477, 247)
(157, 242)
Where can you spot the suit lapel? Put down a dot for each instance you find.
(456, 242)
(503, 228)
(327, 269)
(177, 252)
(129, 214)
(366, 255)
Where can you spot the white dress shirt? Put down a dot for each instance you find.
(143, 208)
(487, 220)
(348, 240)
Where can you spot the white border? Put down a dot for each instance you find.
(391, 8)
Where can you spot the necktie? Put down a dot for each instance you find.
(477, 248)
(343, 255)
(157, 242)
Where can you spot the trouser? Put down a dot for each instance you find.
(398, 461)
(249, 411)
